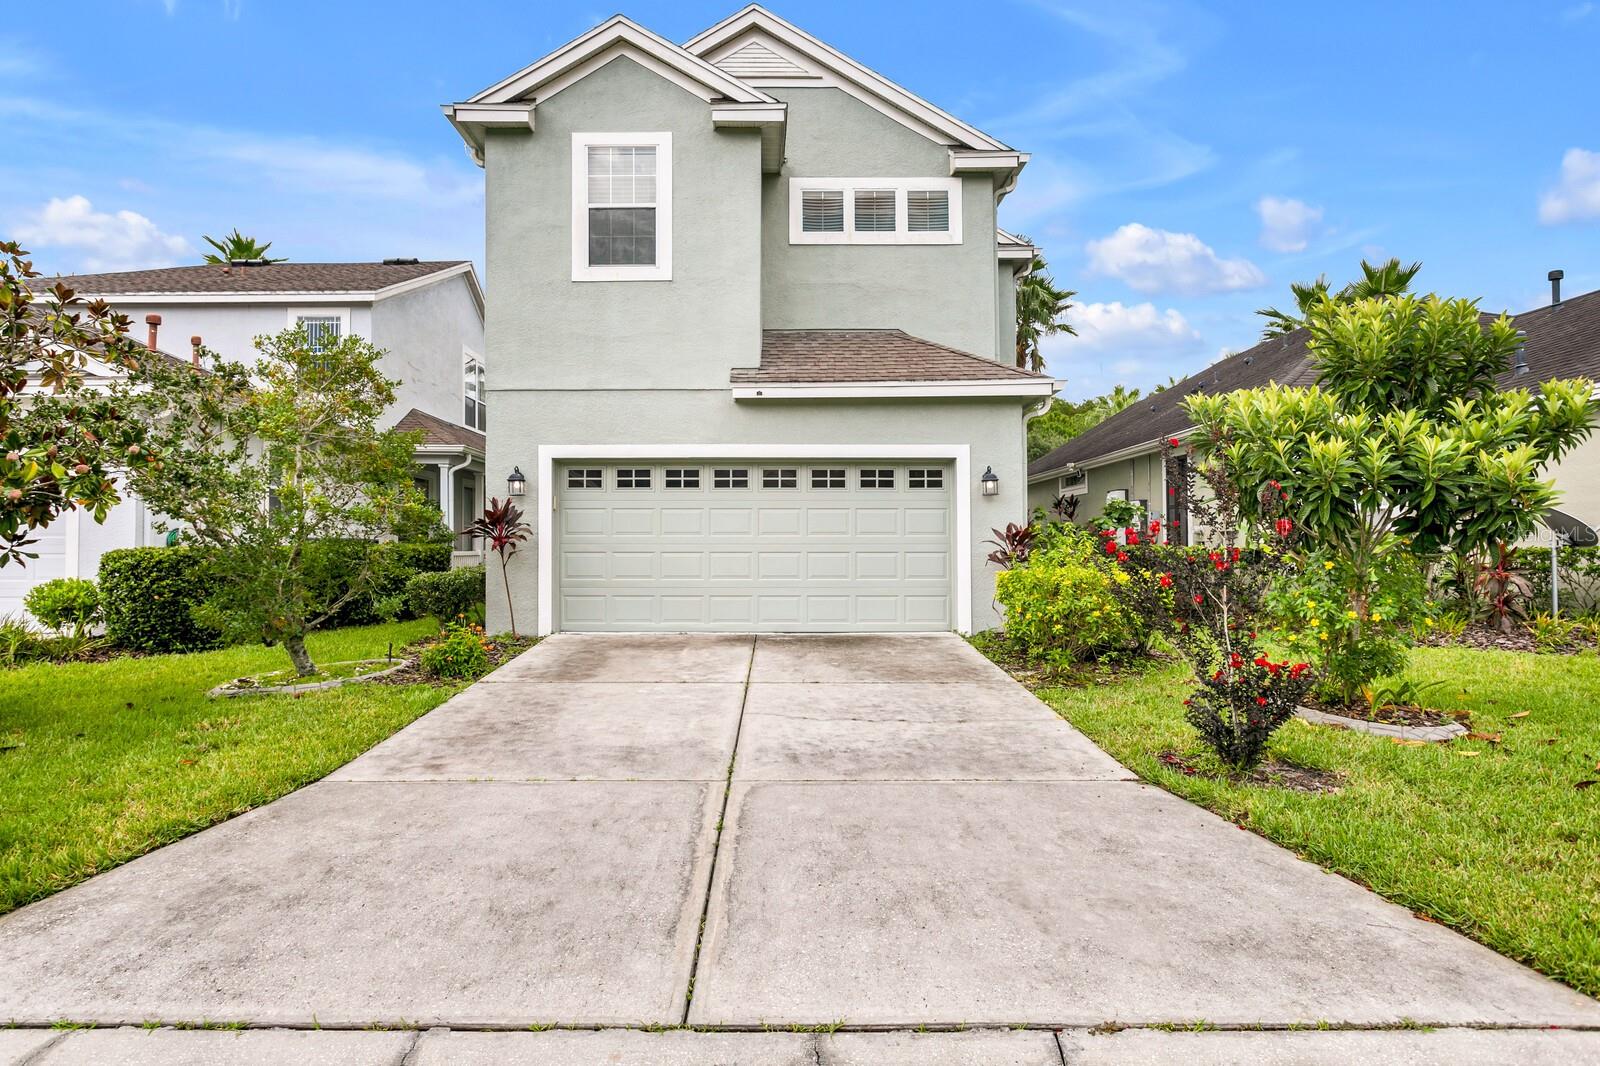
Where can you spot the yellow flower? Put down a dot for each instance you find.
(1350, 615)
(1311, 605)
(1428, 622)
(1376, 617)
(1315, 622)
(1327, 566)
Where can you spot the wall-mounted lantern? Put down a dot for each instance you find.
(990, 481)
(516, 484)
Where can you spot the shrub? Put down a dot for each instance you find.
(1062, 605)
(330, 563)
(18, 642)
(148, 597)
(1551, 633)
(1238, 707)
(65, 603)
(460, 653)
(448, 595)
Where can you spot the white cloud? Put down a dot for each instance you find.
(1287, 225)
(1577, 195)
(1157, 260)
(1578, 12)
(125, 240)
(1130, 327)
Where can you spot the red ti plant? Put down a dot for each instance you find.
(502, 527)
(1012, 545)
(1503, 588)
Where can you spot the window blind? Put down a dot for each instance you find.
(822, 211)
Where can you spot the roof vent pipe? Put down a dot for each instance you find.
(1520, 366)
(1555, 277)
(154, 322)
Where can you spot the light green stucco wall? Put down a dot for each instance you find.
(1139, 475)
(936, 291)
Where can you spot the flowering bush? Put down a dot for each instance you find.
(1351, 644)
(1239, 705)
(461, 652)
(1063, 605)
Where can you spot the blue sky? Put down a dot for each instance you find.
(1189, 160)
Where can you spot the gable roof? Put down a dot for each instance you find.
(1561, 341)
(440, 433)
(277, 278)
(727, 44)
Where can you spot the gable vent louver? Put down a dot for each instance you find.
(756, 60)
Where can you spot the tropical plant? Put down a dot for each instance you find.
(1376, 283)
(62, 440)
(1383, 693)
(18, 642)
(288, 474)
(1501, 589)
(1407, 445)
(1011, 545)
(503, 530)
(65, 604)
(1550, 632)
(236, 247)
(1062, 606)
(1041, 308)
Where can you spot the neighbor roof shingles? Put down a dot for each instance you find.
(1562, 341)
(794, 356)
(269, 277)
(439, 433)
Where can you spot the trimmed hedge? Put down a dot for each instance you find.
(446, 595)
(148, 596)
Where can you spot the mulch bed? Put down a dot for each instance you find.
(501, 651)
(1273, 773)
(1394, 714)
(1485, 637)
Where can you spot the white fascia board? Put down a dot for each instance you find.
(545, 494)
(858, 77)
(511, 115)
(619, 30)
(1108, 458)
(894, 390)
(965, 161)
(319, 297)
(770, 119)
(437, 276)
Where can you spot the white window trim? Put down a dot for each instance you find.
(341, 313)
(960, 489)
(1063, 489)
(470, 356)
(899, 186)
(661, 269)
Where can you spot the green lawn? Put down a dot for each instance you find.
(101, 762)
(1493, 839)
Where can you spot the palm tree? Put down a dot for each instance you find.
(1040, 307)
(1381, 282)
(235, 247)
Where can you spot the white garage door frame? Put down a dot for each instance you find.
(550, 454)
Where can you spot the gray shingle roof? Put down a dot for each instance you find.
(795, 356)
(440, 433)
(269, 277)
(1563, 341)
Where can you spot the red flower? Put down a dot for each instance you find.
(1133, 536)
(1166, 581)
(1298, 668)
(1122, 557)
(1155, 525)
(1284, 527)
(1173, 441)
(1260, 660)
(1199, 598)
(1111, 547)
(1262, 700)
(1274, 484)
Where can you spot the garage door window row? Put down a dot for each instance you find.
(771, 477)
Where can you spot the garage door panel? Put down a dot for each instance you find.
(800, 553)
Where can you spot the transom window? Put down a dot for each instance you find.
(828, 477)
(1074, 482)
(476, 414)
(686, 478)
(583, 478)
(875, 210)
(622, 206)
(633, 477)
(730, 478)
(780, 478)
(925, 479)
(877, 478)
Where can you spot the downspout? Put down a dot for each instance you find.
(448, 494)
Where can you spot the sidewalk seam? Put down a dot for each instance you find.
(716, 843)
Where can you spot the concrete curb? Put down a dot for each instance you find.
(222, 691)
(1433, 734)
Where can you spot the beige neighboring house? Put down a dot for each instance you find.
(427, 316)
(1121, 458)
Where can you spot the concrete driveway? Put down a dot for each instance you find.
(906, 838)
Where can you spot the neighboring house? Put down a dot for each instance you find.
(428, 316)
(752, 330)
(1122, 457)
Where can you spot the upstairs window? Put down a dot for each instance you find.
(322, 331)
(621, 206)
(476, 412)
(874, 210)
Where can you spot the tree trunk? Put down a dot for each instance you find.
(296, 647)
(512, 611)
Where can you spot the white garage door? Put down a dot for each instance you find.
(746, 545)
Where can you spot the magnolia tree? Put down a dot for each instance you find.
(63, 442)
(281, 462)
(1405, 450)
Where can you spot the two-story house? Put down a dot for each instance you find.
(427, 316)
(751, 321)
